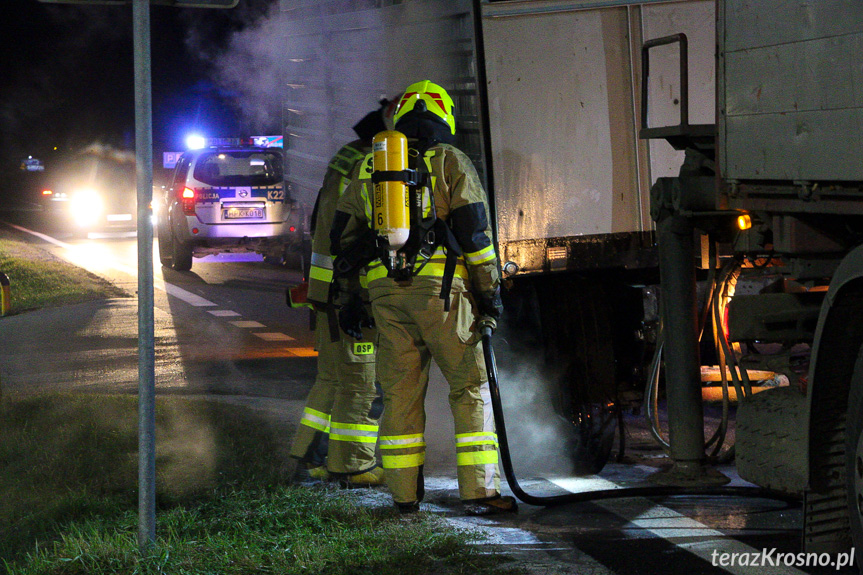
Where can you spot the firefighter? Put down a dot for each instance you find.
(427, 296)
(338, 431)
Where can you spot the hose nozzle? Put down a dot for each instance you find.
(487, 325)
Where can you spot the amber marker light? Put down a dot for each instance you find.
(744, 222)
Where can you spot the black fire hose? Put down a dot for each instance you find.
(486, 329)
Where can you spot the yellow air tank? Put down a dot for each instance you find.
(391, 215)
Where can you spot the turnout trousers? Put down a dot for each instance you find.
(340, 419)
(413, 328)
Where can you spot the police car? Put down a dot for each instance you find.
(227, 199)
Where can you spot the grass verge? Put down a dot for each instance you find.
(68, 472)
(39, 279)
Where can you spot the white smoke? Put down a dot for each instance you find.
(539, 437)
(250, 68)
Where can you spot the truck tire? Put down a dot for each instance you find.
(854, 455)
(771, 427)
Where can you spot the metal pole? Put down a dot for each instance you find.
(682, 370)
(146, 353)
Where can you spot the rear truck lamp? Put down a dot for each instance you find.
(195, 230)
(47, 193)
(188, 198)
(744, 222)
(292, 229)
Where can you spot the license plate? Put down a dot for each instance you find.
(243, 213)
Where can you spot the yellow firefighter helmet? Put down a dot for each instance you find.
(425, 98)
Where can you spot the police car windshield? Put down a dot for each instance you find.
(239, 168)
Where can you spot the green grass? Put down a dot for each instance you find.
(39, 279)
(68, 474)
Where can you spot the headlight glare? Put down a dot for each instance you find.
(86, 206)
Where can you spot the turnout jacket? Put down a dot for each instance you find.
(337, 177)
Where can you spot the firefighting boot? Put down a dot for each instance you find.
(491, 506)
(309, 474)
(368, 478)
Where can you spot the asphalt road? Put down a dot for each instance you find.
(224, 329)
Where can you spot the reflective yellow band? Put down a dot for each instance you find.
(403, 461)
(377, 270)
(322, 260)
(416, 444)
(364, 348)
(367, 203)
(462, 438)
(402, 441)
(356, 426)
(345, 159)
(433, 269)
(357, 432)
(320, 274)
(316, 420)
(480, 442)
(351, 438)
(484, 255)
(476, 457)
(343, 185)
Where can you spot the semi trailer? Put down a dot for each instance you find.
(676, 192)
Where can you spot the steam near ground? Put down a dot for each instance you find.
(538, 436)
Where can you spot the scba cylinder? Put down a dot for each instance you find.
(391, 215)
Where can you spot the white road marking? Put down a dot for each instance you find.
(48, 239)
(180, 293)
(247, 324)
(684, 532)
(223, 313)
(274, 337)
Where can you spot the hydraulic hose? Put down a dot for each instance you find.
(486, 330)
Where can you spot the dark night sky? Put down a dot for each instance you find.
(68, 75)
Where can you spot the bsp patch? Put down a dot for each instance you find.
(364, 348)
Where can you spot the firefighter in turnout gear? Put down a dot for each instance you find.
(338, 432)
(427, 295)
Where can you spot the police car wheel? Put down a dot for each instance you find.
(181, 255)
(165, 251)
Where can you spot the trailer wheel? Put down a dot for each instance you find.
(594, 426)
(854, 454)
(578, 332)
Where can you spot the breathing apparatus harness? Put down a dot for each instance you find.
(407, 190)
(405, 230)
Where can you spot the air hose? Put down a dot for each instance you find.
(486, 330)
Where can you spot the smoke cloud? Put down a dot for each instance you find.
(248, 64)
(539, 437)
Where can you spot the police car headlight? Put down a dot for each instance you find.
(86, 206)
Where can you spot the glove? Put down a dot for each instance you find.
(353, 317)
(490, 304)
